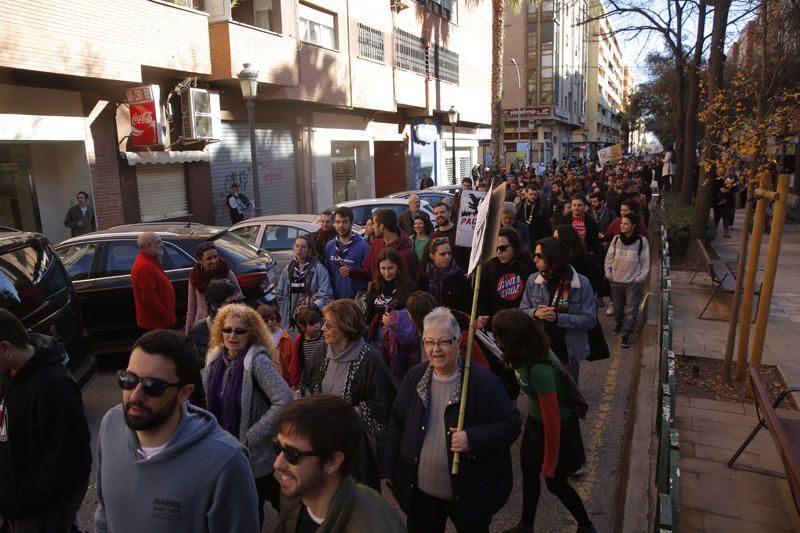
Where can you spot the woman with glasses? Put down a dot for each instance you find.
(348, 367)
(210, 266)
(422, 234)
(551, 442)
(423, 438)
(446, 282)
(562, 302)
(503, 277)
(304, 283)
(245, 390)
(388, 292)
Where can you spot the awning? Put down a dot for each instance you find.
(165, 158)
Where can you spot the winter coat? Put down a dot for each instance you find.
(75, 215)
(353, 509)
(538, 221)
(196, 305)
(320, 284)
(456, 292)
(401, 345)
(628, 263)
(265, 395)
(45, 454)
(492, 422)
(351, 255)
(603, 219)
(592, 238)
(153, 294)
(581, 315)
(369, 268)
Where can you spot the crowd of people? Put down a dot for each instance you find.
(354, 376)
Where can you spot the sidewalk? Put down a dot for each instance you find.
(714, 497)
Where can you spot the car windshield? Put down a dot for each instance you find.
(233, 248)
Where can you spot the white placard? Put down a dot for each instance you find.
(467, 215)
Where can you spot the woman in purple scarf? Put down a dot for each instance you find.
(444, 280)
(245, 390)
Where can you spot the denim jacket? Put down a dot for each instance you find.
(582, 315)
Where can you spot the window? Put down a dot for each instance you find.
(175, 258)
(370, 43)
(120, 256)
(316, 26)
(248, 233)
(410, 52)
(262, 14)
(445, 65)
(447, 9)
(77, 259)
(27, 280)
(280, 237)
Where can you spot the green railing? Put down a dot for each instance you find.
(668, 465)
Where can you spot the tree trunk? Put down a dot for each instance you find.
(692, 104)
(680, 107)
(716, 64)
(498, 30)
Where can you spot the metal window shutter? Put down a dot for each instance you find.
(464, 168)
(230, 162)
(424, 161)
(162, 192)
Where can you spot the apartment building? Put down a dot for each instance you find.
(545, 106)
(605, 93)
(637, 140)
(139, 104)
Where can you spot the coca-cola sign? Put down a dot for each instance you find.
(145, 115)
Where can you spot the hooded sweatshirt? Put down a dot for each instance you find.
(45, 454)
(200, 482)
(352, 255)
(502, 285)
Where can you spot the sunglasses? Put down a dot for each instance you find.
(153, 387)
(503, 247)
(440, 240)
(238, 331)
(292, 455)
(538, 256)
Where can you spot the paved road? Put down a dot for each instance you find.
(606, 385)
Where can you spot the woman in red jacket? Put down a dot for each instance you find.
(551, 441)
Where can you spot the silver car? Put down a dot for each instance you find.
(363, 209)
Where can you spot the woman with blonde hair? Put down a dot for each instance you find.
(245, 390)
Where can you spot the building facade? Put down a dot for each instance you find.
(637, 140)
(353, 101)
(605, 93)
(546, 106)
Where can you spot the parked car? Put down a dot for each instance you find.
(426, 195)
(363, 209)
(35, 287)
(448, 188)
(100, 263)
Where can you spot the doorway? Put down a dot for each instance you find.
(390, 167)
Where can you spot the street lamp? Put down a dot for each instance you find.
(453, 115)
(248, 79)
(519, 86)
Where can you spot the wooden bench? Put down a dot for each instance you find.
(723, 276)
(785, 434)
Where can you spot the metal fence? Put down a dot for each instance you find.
(668, 471)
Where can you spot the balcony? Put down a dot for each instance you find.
(103, 39)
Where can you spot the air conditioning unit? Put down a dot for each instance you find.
(200, 115)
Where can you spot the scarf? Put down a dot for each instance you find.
(437, 277)
(200, 277)
(561, 287)
(627, 241)
(298, 275)
(225, 391)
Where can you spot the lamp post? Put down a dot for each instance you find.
(453, 115)
(519, 86)
(248, 79)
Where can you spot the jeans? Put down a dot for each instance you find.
(626, 298)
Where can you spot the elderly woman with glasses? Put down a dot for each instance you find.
(245, 390)
(210, 266)
(348, 367)
(423, 438)
(443, 279)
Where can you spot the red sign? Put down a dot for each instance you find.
(145, 115)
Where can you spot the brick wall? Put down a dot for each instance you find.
(104, 164)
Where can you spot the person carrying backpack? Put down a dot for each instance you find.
(551, 441)
(627, 266)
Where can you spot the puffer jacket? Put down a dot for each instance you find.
(581, 315)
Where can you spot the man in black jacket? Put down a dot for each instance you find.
(80, 217)
(45, 458)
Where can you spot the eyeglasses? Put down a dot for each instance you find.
(503, 247)
(153, 387)
(292, 455)
(327, 324)
(238, 331)
(430, 343)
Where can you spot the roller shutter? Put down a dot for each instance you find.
(230, 162)
(162, 192)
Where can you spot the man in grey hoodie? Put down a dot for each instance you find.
(151, 447)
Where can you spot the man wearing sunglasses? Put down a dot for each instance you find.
(163, 464)
(318, 437)
(45, 457)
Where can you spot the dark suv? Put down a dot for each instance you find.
(35, 287)
(100, 265)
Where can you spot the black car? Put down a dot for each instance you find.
(35, 287)
(100, 265)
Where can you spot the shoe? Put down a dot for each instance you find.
(626, 341)
(579, 472)
(587, 529)
(610, 309)
(519, 528)
(617, 329)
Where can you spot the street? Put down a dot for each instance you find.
(605, 384)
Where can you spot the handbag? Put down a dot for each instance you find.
(598, 347)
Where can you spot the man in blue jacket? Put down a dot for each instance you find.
(346, 251)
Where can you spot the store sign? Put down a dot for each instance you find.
(522, 112)
(145, 111)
